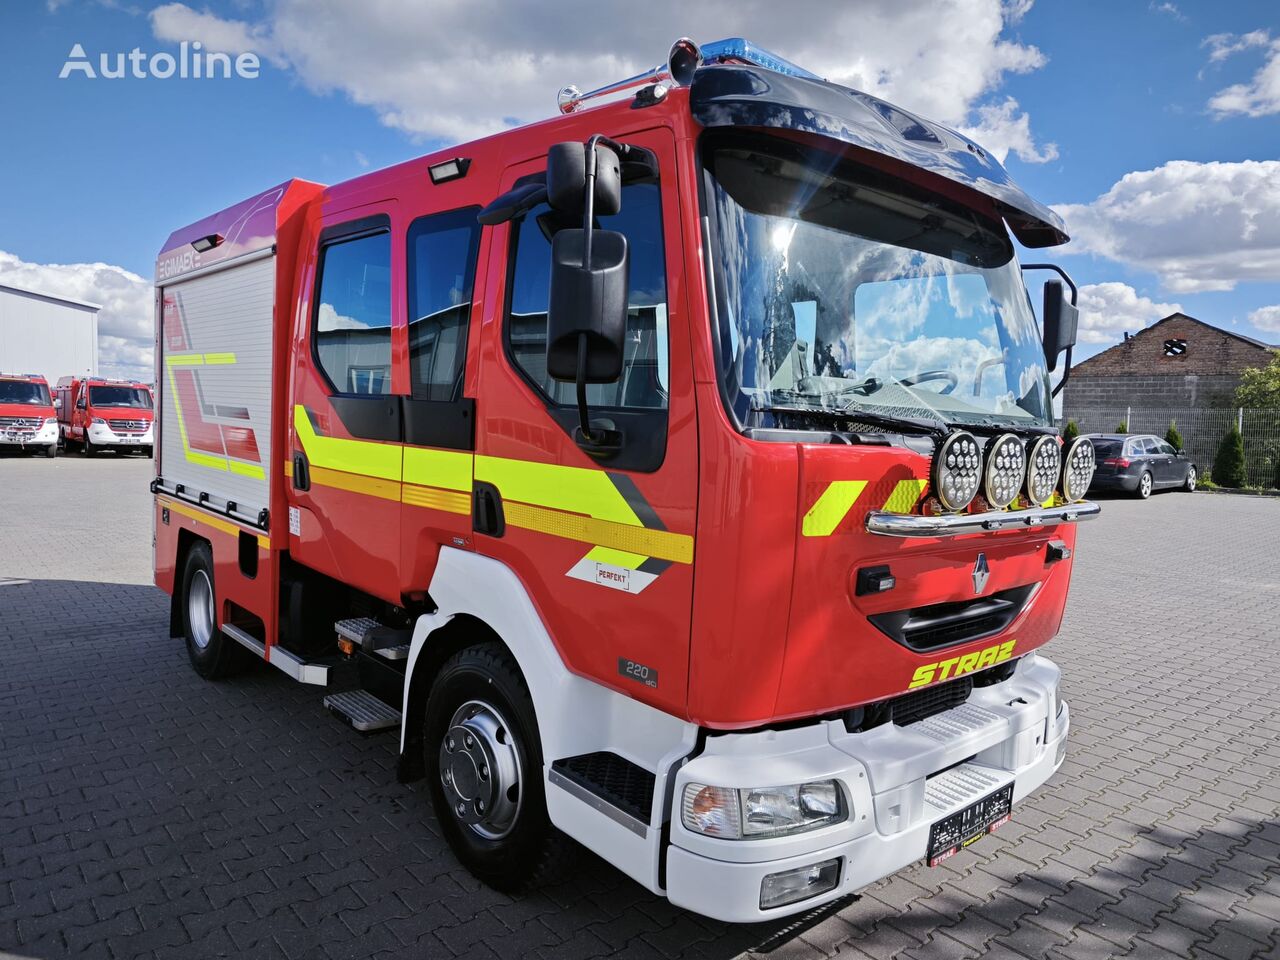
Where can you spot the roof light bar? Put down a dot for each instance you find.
(683, 61)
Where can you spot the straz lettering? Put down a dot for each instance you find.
(958, 666)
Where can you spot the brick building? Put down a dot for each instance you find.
(1177, 362)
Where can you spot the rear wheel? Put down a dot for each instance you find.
(1190, 483)
(213, 654)
(1145, 486)
(484, 769)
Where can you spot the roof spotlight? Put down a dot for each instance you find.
(1077, 469)
(1006, 468)
(683, 60)
(957, 467)
(1044, 466)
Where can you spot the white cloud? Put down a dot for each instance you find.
(1266, 318)
(1001, 129)
(126, 323)
(1107, 310)
(425, 68)
(1260, 97)
(1171, 9)
(1199, 226)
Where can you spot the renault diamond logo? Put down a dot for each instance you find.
(981, 572)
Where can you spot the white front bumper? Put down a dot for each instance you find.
(39, 438)
(104, 436)
(1011, 732)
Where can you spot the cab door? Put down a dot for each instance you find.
(345, 419)
(602, 540)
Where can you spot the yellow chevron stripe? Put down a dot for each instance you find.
(831, 507)
(905, 495)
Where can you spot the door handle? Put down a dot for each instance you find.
(301, 475)
(486, 510)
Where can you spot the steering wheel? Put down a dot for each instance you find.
(952, 380)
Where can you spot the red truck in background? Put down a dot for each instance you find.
(99, 414)
(27, 418)
(679, 473)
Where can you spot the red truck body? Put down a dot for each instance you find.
(691, 602)
(27, 418)
(98, 413)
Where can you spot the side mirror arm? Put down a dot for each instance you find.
(1071, 285)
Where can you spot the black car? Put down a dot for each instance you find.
(1139, 464)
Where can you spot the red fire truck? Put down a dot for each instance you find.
(678, 474)
(101, 414)
(27, 418)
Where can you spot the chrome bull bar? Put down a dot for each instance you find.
(953, 525)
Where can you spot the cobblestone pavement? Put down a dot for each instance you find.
(144, 812)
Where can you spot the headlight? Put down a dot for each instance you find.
(50, 421)
(956, 468)
(1044, 466)
(1006, 467)
(99, 422)
(762, 811)
(1077, 469)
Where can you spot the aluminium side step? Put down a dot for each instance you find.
(374, 637)
(362, 710)
(611, 784)
(304, 671)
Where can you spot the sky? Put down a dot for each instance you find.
(1152, 126)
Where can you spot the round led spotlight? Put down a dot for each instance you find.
(1006, 468)
(1077, 469)
(957, 470)
(1044, 466)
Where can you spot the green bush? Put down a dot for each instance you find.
(1172, 437)
(1228, 465)
(1070, 431)
(1122, 426)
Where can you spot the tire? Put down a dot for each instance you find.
(480, 707)
(1145, 485)
(1189, 484)
(51, 451)
(89, 449)
(213, 654)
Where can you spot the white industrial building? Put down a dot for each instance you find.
(47, 334)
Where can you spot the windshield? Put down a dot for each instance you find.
(24, 391)
(119, 397)
(843, 290)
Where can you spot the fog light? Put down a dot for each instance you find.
(1043, 469)
(1077, 469)
(957, 469)
(792, 886)
(1006, 469)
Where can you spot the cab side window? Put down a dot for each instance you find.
(352, 320)
(643, 384)
(442, 266)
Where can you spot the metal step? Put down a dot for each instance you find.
(394, 653)
(362, 710)
(372, 636)
(611, 784)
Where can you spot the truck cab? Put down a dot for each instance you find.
(98, 413)
(27, 417)
(679, 474)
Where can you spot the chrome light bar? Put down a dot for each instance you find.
(954, 525)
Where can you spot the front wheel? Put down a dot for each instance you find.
(1144, 487)
(1190, 484)
(51, 451)
(213, 654)
(89, 449)
(484, 768)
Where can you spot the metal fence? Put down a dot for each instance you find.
(1202, 431)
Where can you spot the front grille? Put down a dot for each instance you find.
(927, 702)
(21, 423)
(128, 426)
(921, 704)
(941, 625)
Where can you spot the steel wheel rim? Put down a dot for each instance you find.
(480, 770)
(1145, 484)
(200, 609)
